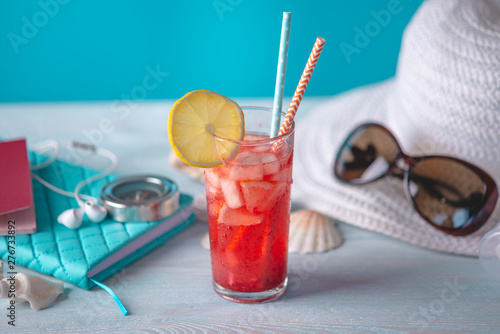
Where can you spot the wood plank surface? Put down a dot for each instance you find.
(371, 284)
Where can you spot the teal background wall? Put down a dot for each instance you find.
(57, 50)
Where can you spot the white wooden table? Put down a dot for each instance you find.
(372, 283)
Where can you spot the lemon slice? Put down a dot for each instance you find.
(196, 124)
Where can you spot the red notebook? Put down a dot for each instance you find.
(17, 207)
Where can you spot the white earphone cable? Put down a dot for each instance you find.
(45, 146)
(103, 174)
(53, 145)
(60, 191)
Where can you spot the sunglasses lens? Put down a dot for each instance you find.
(446, 192)
(366, 155)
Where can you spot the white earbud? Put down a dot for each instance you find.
(95, 213)
(71, 218)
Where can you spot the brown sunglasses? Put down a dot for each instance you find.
(451, 194)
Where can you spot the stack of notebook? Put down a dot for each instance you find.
(92, 252)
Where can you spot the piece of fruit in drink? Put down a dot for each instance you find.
(238, 217)
(255, 193)
(273, 196)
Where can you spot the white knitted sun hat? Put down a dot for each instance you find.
(445, 99)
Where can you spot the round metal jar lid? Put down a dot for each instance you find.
(140, 198)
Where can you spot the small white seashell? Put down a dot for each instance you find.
(181, 166)
(312, 232)
(39, 292)
(205, 241)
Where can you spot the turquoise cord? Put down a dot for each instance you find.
(115, 297)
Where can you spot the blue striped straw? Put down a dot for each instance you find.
(280, 76)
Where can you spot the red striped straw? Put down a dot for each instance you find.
(301, 88)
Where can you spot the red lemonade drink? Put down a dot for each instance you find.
(248, 202)
(248, 181)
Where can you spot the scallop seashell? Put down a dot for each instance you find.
(181, 166)
(312, 232)
(39, 292)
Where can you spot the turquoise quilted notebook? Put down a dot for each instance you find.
(93, 251)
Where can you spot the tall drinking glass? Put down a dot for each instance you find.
(248, 202)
